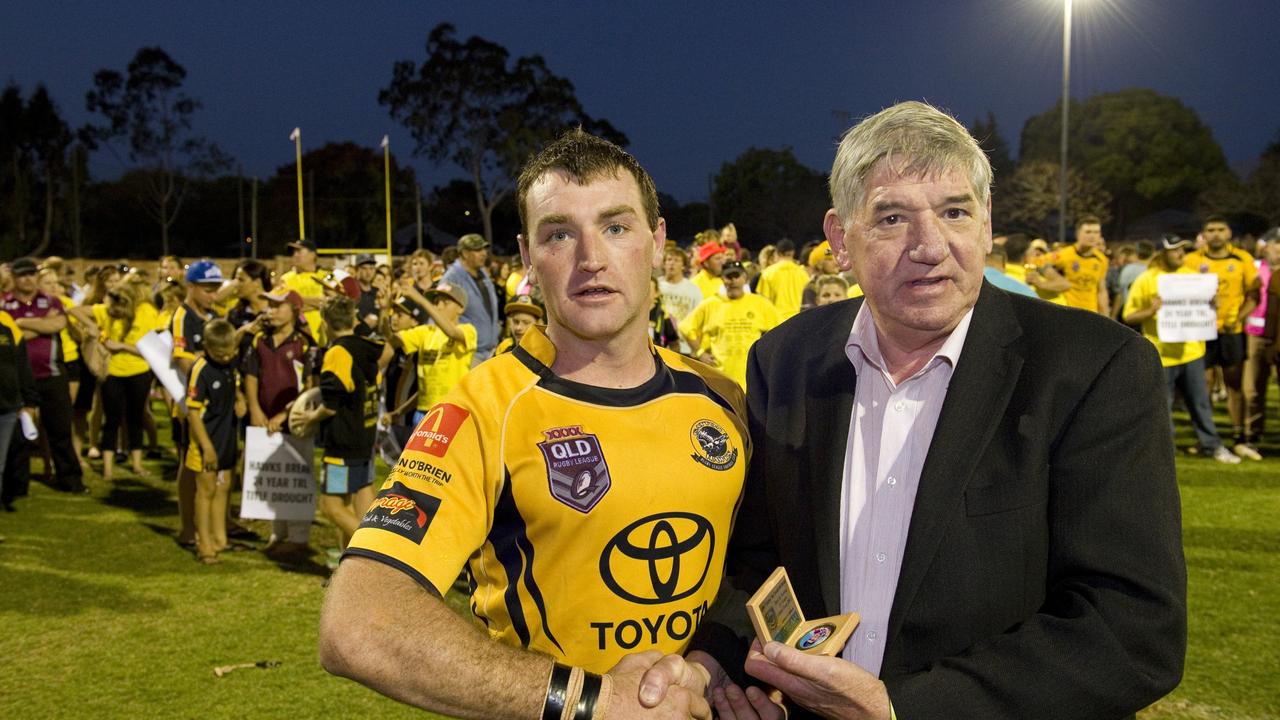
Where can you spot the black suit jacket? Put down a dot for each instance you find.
(1043, 574)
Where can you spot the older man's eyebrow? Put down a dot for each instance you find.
(958, 199)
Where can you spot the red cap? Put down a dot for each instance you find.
(711, 248)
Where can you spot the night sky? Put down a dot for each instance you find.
(692, 84)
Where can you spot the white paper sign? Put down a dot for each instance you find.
(157, 349)
(279, 482)
(1186, 311)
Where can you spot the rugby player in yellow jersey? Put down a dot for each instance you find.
(1239, 290)
(586, 480)
(1084, 265)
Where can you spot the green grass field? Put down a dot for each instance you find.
(105, 616)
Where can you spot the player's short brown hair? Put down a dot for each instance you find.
(585, 157)
(339, 313)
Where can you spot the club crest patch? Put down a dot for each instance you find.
(712, 446)
(577, 473)
(400, 510)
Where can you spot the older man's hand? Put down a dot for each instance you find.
(829, 686)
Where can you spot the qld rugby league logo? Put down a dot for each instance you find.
(577, 473)
(712, 446)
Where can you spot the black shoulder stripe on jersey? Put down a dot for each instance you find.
(397, 564)
(692, 383)
(512, 548)
(660, 384)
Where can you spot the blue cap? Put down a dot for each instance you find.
(204, 271)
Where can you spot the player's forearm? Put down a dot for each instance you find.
(198, 432)
(381, 629)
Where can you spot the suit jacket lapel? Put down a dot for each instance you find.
(827, 415)
(977, 395)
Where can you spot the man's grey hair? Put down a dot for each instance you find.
(918, 139)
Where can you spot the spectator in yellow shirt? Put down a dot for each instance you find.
(724, 327)
(1183, 361)
(783, 282)
(306, 280)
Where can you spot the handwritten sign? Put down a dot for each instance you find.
(1186, 311)
(279, 480)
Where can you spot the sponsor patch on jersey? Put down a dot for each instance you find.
(437, 429)
(577, 473)
(712, 446)
(405, 512)
(660, 558)
(1075, 266)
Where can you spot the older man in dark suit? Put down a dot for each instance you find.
(987, 478)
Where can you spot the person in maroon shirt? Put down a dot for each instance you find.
(275, 369)
(42, 319)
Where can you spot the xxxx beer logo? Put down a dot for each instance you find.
(403, 511)
(438, 428)
(577, 473)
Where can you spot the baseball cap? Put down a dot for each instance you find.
(711, 248)
(23, 266)
(453, 292)
(365, 259)
(1173, 242)
(306, 243)
(340, 281)
(283, 295)
(472, 241)
(820, 252)
(204, 272)
(732, 267)
(404, 305)
(523, 304)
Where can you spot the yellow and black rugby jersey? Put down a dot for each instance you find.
(1084, 272)
(593, 522)
(1236, 274)
(349, 381)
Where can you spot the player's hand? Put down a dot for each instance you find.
(709, 359)
(1156, 303)
(276, 424)
(634, 694)
(829, 686)
(257, 418)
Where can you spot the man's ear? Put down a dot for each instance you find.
(659, 243)
(833, 230)
(523, 243)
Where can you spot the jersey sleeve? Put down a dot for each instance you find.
(1250, 272)
(183, 348)
(336, 380)
(197, 388)
(1141, 293)
(249, 364)
(435, 508)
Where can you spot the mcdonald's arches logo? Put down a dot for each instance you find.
(436, 431)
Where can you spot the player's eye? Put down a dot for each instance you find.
(955, 213)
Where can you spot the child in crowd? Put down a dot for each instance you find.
(829, 289)
(214, 405)
(522, 313)
(445, 348)
(349, 379)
